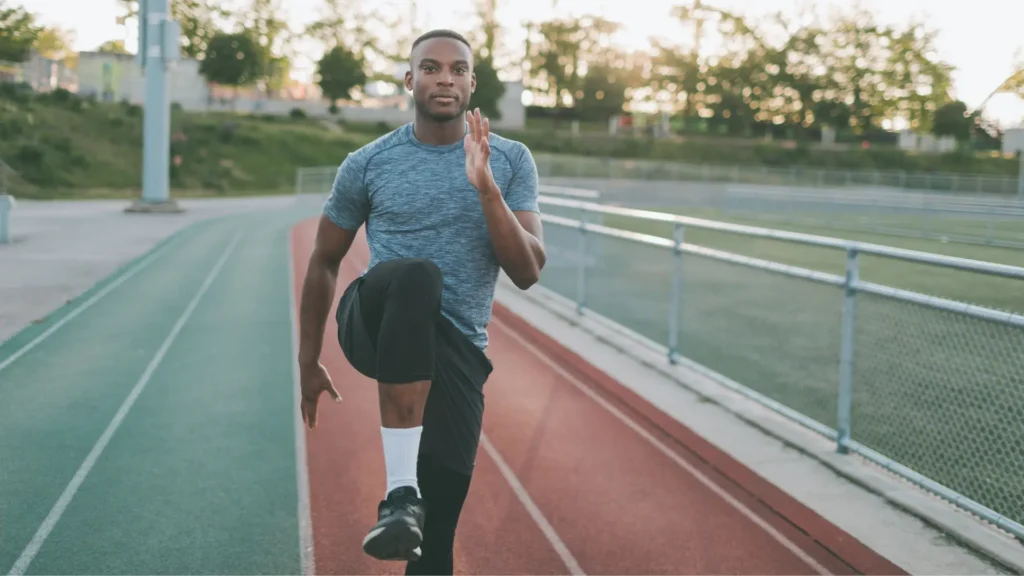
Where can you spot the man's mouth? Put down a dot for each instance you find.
(444, 98)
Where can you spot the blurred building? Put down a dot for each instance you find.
(117, 77)
(1013, 141)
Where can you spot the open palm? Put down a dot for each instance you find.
(478, 150)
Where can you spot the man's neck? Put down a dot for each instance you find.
(439, 133)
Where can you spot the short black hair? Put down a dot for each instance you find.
(439, 33)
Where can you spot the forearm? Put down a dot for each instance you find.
(520, 254)
(317, 296)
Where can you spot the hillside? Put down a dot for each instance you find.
(64, 146)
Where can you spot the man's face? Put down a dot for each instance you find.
(441, 78)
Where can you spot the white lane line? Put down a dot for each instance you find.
(76, 481)
(86, 305)
(517, 487)
(629, 422)
(306, 554)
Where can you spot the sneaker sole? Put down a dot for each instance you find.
(395, 541)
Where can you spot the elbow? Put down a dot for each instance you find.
(529, 272)
(524, 280)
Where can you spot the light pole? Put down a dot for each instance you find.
(159, 50)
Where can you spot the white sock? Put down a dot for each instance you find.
(401, 452)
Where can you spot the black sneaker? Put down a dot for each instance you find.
(398, 533)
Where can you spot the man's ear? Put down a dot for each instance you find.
(472, 84)
(408, 80)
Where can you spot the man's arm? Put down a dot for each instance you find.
(332, 244)
(344, 212)
(517, 237)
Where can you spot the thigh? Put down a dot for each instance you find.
(355, 342)
(401, 287)
(444, 490)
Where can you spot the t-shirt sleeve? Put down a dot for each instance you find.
(523, 186)
(348, 205)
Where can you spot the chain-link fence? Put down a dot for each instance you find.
(928, 387)
(565, 166)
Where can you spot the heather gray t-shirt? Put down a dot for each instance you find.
(416, 201)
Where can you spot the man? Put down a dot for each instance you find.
(446, 204)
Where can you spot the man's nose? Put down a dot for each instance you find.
(445, 78)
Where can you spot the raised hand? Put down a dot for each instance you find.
(478, 151)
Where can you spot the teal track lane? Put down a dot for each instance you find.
(200, 474)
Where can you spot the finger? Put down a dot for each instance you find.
(471, 118)
(311, 411)
(486, 128)
(334, 393)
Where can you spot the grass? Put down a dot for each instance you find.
(992, 291)
(936, 391)
(65, 146)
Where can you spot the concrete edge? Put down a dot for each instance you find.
(979, 536)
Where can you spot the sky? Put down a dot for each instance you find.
(981, 39)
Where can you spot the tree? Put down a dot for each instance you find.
(490, 29)
(18, 32)
(952, 120)
(343, 23)
(55, 43)
(112, 47)
(197, 18)
(605, 86)
(338, 73)
(232, 60)
(556, 52)
(489, 88)
(264, 22)
(798, 73)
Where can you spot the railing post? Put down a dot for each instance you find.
(6, 205)
(676, 289)
(845, 399)
(1020, 176)
(581, 269)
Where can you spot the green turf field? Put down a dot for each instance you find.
(155, 431)
(936, 391)
(883, 223)
(991, 291)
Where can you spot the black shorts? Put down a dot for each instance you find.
(453, 416)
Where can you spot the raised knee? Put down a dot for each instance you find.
(420, 275)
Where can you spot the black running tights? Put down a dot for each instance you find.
(444, 491)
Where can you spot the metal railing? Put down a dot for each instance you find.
(7, 203)
(926, 387)
(557, 165)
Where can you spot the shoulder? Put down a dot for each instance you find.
(363, 157)
(516, 152)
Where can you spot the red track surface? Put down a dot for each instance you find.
(625, 488)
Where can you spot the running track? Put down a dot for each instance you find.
(150, 427)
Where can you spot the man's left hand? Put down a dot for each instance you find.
(478, 152)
